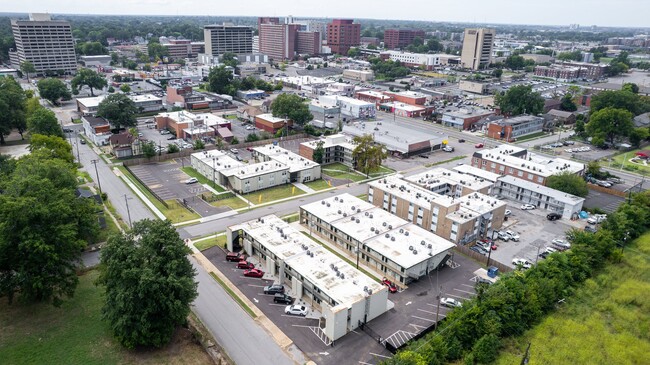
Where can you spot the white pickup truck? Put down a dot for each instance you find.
(596, 218)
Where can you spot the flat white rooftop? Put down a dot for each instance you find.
(217, 159)
(270, 118)
(394, 136)
(374, 94)
(284, 156)
(407, 191)
(211, 120)
(473, 205)
(360, 226)
(476, 172)
(533, 163)
(438, 176)
(407, 107)
(336, 99)
(144, 98)
(337, 207)
(256, 169)
(305, 80)
(334, 140)
(541, 189)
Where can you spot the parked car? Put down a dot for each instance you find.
(487, 244)
(596, 218)
(191, 180)
(508, 212)
(614, 180)
(391, 286)
(562, 244)
(568, 143)
(603, 183)
(82, 141)
(590, 229)
(235, 256)
(296, 310)
(450, 302)
(461, 141)
(254, 273)
(547, 251)
(234, 150)
(479, 249)
(164, 131)
(171, 138)
(513, 235)
(448, 149)
(274, 289)
(527, 207)
(282, 298)
(553, 216)
(245, 265)
(479, 145)
(522, 262)
(503, 236)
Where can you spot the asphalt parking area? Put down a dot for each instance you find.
(607, 202)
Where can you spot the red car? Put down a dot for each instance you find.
(245, 265)
(391, 286)
(254, 273)
(234, 256)
(479, 145)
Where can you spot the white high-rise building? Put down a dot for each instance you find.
(477, 48)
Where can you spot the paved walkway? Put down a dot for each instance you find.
(304, 188)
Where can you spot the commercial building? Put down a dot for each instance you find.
(477, 48)
(343, 34)
(224, 38)
(475, 87)
(408, 97)
(178, 48)
(359, 75)
(397, 249)
(372, 96)
(458, 218)
(97, 129)
(267, 122)
(518, 162)
(509, 129)
(464, 118)
(189, 125)
(400, 38)
(336, 148)
(95, 61)
(308, 43)
(282, 41)
(144, 103)
(326, 110)
(349, 106)
(185, 97)
(301, 169)
(573, 71)
(48, 44)
(405, 110)
(526, 192)
(424, 60)
(400, 141)
(346, 297)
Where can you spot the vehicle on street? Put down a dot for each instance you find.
(479, 145)
(296, 310)
(274, 289)
(513, 235)
(82, 141)
(461, 141)
(254, 273)
(519, 262)
(235, 256)
(553, 216)
(191, 180)
(234, 150)
(508, 212)
(527, 207)
(67, 130)
(562, 244)
(282, 298)
(245, 265)
(450, 302)
(448, 149)
(479, 249)
(391, 286)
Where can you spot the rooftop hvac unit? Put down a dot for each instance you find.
(336, 198)
(365, 288)
(328, 205)
(384, 224)
(370, 216)
(262, 221)
(390, 226)
(353, 208)
(415, 252)
(358, 221)
(358, 210)
(338, 275)
(339, 212)
(345, 214)
(332, 266)
(352, 218)
(401, 230)
(392, 238)
(322, 202)
(308, 252)
(387, 235)
(410, 248)
(342, 276)
(341, 200)
(429, 246)
(367, 214)
(423, 243)
(369, 291)
(406, 233)
(311, 254)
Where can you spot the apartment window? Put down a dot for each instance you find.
(530, 176)
(520, 173)
(540, 179)
(510, 170)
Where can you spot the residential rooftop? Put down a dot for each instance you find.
(256, 169)
(332, 141)
(541, 189)
(472, 205)
(284, 156)
(334, 208)
(407, 191)
(529, 162)
(358, 224)
(476, 172)
(217, 159)
(438, 176)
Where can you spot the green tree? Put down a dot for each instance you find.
(406, 357)
(220, 80)
(234, 141)
(43, 121)
(43, 231)
(229, 59)
(486, 349)
(52, 147)
(291, 106)
(119, 110)
(520, 99)
(252, 137)
(148, 149)
(515, 62)
(91, 49)
(579, 128)
(638, 135)
(53, 90)
(620, 99)
(111, 89)
(354, 52)
(567, 103)
(172, 148)
(570, 56)
(631, 87)
(319, 152)
(27, 68)
(89, 78)
(610, 123)
(198, 145)
(568, 183)
(497, 73)
(149, 283)
(125, 88)
(12, 107)
(367, 154)
(157, 51)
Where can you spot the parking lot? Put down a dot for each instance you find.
(411, 312)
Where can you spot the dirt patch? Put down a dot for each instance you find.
(182, 349)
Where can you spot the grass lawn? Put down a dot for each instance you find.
(273, 194)
(318, 185)
(383, 170)
(205, 244)
(176, 213)
(76, 121)
(202, 179)
(233, 203)
(531, 136)
(85, 176)
(445, 161)
(230, 116)
(75, 334)
(630, 166)
(340, 171)
(606, 321)
(111, 229)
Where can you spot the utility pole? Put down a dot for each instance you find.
(94, 162)
(78, 159)
(128, 212)
(435, 325)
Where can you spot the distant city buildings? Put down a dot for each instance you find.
(477, 48)
(48, 44)
(343, 34)
(224, 38)
(281, 41)
(400, 38)
(182, 48)
(572, 71)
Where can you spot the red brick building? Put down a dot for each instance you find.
(408, 97)
(281, 41)
(342, 34)
(271, 124)
(400, 38)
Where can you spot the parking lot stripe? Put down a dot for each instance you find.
(384, 356)
(365, 363)
(465, 291)
(256, 286)
(456, 296)
(424, 319)
(299, 317)
(467, 285)
(433, 305)
(422, 310)
(415, 325)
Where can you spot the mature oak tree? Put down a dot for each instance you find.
(293, 107)
(149, 283)
(610, 123)
(90, 78)
(119, 110)
(53, 89)
(520, 99)
(43, 121)
(368, 154)
(12, 107)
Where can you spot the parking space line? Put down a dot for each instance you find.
(278, 305)
(365, 363)
(457, 296)
(415, 325)
(384, 356)
(256, 286)
(467, 285)
(424, 319)
(433, 305)
(422, 310)
(465, 291)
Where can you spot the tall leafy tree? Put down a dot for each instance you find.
(27, 68)
(53, 89)
(520, 99)
(119, 110)
(149, 283)
(89, 78)
(319, 152)
(91, 49)
(367, 154)
(568, 183)
(620, 99)
(43, 121)
(567, 103)
(52, 147)
(293, 107)
(220, 80)
(12, 107)
(611, 123)
(43, 228)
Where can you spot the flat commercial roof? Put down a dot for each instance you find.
(394, 136)
(536, 164)
(284, 156)
(344, 99)
(405, 190)
(333, 208)
(305, 80)
(476, 172)
(374, 94)
(218, 159)
(270, 118)
(91, 102)
(542, 190)
(256, 169)
(437, 176)
(144, 97)
(407, 107)
(331, 141)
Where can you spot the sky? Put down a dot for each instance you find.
(627, 13)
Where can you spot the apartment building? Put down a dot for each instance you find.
(477, 48)
(283, 41)
(224, 38)
(48, 44)
(458, 218)
(509, 129)
(97, 129)
(397, 249)
(464, 118)
(572, 71)
(301, 169)
(451, 182)
(212, 163)
(308, 42)
(336, 148)
(518, 162)
(345, 296)
(343, 34)
(246, 179)
(400, 38)
(424, 60)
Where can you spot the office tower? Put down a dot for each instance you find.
(223, 38)
(46, 43)
(342, 34)
(477, 48)
(284, 40)
(400, 38)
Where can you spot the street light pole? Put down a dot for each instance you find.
(77, 142)
(94, 162)
(128, 212)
